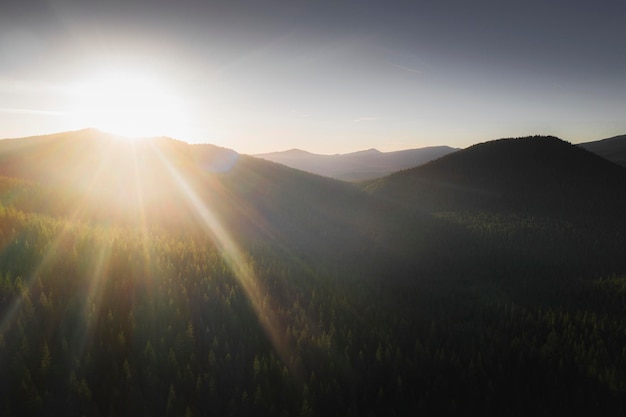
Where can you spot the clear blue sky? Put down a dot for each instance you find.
(327, 77)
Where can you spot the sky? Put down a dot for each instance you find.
(322, 76)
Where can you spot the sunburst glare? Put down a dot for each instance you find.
(131, 104)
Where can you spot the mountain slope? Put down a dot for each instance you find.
(356, 166)
(529, 205)
(161, 182)
(541, 174)
(613, 149)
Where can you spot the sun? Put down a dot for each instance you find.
(129, 104)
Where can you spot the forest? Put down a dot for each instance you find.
(255, 289)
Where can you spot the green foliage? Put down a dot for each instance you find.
(353, 306)
(128, 324)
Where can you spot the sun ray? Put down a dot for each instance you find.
(238, 263)
(91, 307)
(51, 253)
(50, 256)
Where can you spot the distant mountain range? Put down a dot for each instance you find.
(95, 177)
(372, 163)
(613, 149)
(356, 166)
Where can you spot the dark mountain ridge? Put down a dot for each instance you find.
(529, 205)
(613, 149)
(541, 174)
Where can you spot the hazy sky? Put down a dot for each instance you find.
(328, 77)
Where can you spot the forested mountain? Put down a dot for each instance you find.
(568, 200)
(356, 166)
(613, 149)
(542, 174)
(160, 278)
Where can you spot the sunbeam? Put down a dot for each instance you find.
(91, 307)
(236, 260)
(140, 201)
(53, 250)
(50, 256)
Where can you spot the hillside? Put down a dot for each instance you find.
(162, 182)
(538, 174)
(160, 278)
(613, 149)
(356, 166)
(536, 199)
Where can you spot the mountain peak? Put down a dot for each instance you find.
(290, 153)
(371, 151)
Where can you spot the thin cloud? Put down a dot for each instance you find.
(405, 68)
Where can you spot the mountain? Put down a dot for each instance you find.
(154, 277)
(613, 149)
(97, 177)
(76, 159)
(394, 223)
(526, 203)
(356, 166)
(540, 174)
